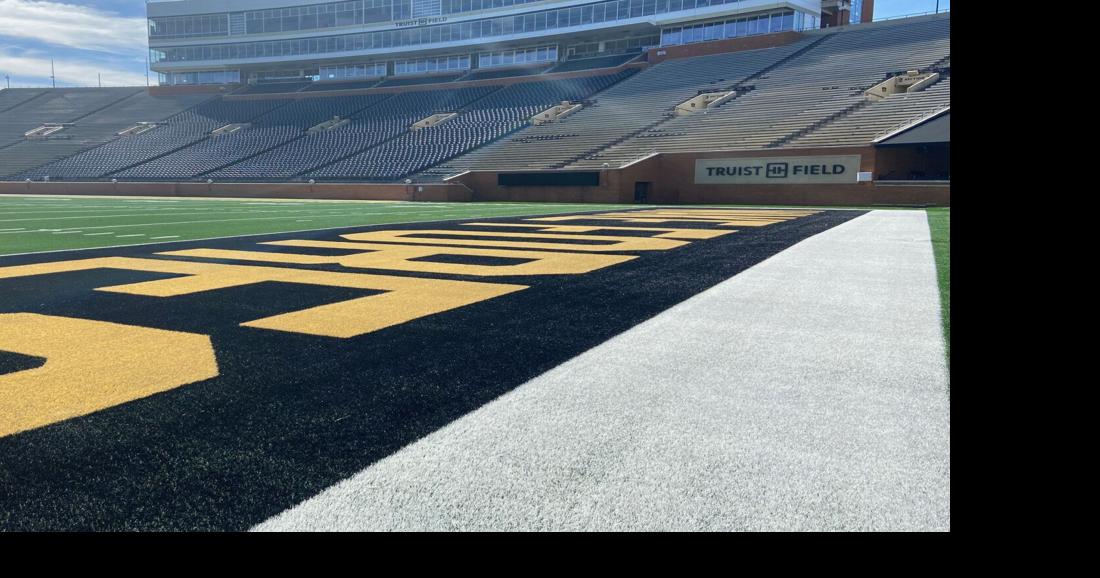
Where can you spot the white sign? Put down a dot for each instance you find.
(778, 170)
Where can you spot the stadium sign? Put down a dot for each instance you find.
(420, 22)
(778, 170)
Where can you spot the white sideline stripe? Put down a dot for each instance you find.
(807, 393)
(166, 237)
(134, 235)
(314, 230)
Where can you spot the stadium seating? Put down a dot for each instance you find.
(177, 132)
(55, 106)
(276, 87)
(796, 97)
(630, 106)
(385, 116)
(349, 85)
(93, 130)
(490, 73)
(504, 111)
(414, 80)
(287, 120)
(12, 97)
(880, 118)
(784, 93)
(809, 93)
(593, 63)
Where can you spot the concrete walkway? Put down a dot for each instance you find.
(807, 393)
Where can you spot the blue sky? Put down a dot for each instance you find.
(107, 37)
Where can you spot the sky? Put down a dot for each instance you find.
(90, 40)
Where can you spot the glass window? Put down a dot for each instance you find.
(712, 31)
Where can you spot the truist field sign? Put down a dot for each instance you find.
(778, 170)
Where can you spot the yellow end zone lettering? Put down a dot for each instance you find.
(539, 240)
(405, 298)
(400, 258)
(91, 365)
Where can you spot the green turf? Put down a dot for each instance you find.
(939, 221)
(31, 224)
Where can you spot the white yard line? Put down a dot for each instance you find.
(314, 230)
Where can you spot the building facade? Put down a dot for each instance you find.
(256, 41)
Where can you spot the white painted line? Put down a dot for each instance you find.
(136, 235)
(343, 227)
(167, 237)
(19, 229)
(807, 393)
(94, 234)
(67, 232)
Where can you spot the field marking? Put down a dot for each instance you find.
(94, 234)
(134, 235)
(806, 393)
(131, 215)
(286, 217)
(166, 237)
(67, 232)
(2, 256)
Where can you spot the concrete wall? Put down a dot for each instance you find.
(656, 55)
(455, 85)
(346, 191)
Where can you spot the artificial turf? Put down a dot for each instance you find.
(939, 222)
(30, 224)
(292, 414)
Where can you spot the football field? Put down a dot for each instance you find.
(326, 365)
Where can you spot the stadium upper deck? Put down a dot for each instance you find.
(215, 42)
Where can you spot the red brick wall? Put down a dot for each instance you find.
(672, 181)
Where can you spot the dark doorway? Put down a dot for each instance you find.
(641, 192)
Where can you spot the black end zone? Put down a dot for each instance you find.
(290, 415)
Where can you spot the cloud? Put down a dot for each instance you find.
(77, 72)
(73, 26)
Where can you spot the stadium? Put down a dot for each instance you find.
(483, 265)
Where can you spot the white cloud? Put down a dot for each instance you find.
(78, 27)
(68, 72)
